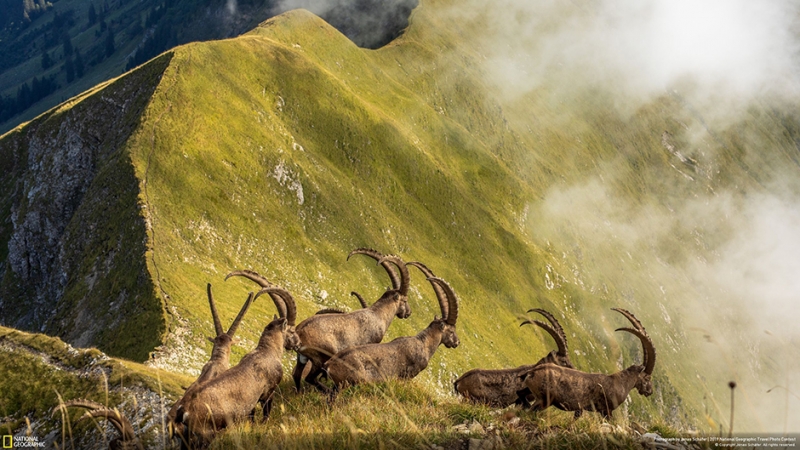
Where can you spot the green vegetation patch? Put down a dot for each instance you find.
(39, 372)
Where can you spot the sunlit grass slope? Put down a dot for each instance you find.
(408, 414)
(282, 150)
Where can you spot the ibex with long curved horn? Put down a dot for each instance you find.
(221, 350)
(502, 387)
(573, 390)
(233, 395)
(404, 357)
(322, 336)
(126, 440)
(286, 308)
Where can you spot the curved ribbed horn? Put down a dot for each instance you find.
(119, 422)
(280, 305)
(250, 275)
(291, 308)
(557, 328)
(360, 299)
(235, 324)
(394, 259)
(452, 300)
(633, 320)
(649, 349)
(214, 314)
(562, 346)
(440, 295)
(377, 256)
(264, 283)
(95, 409)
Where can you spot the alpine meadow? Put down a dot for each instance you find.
(568, 158)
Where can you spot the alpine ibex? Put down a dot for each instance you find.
(573, 390)
(501, 387)
(233, 395)
(404, 357)
(220, 353)
(324, 335)
(127, 440)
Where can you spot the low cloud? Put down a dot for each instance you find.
(641, 47)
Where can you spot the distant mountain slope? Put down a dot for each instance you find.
(52, 50)
(283, 149)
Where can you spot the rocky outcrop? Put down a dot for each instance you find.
(74, 233)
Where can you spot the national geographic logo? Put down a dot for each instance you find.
(21, 442)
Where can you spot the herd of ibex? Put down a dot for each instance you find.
(346, 348)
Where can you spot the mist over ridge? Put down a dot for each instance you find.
(737, 48)
(720, 259)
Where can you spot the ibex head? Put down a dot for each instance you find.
(288, 312)
(644, 382)
(447, 324)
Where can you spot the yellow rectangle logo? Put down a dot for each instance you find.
(7, 441)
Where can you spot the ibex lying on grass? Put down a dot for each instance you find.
(573, 390)
(127, 440)
(220, 353)
(233, 395)
(322, 336)
(404, 357)
(500, 387)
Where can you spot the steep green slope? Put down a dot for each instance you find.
(283, 149)
(326, 148)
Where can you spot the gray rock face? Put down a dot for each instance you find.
(72, 214)
(61, 165)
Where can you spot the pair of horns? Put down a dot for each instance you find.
(554, 329)
(639, 331)
(96, 410)
(284, 302)
(399, 282)
(448, 301)
(235, 324)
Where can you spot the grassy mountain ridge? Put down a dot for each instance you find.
(282, 150)
(50, 51)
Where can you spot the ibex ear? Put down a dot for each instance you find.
(210, 339)
(274, 317)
